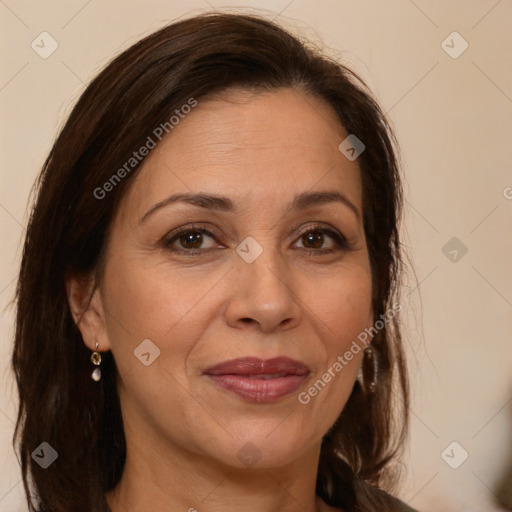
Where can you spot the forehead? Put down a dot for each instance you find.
(262, 146)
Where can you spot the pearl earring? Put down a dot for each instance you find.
(96, 360)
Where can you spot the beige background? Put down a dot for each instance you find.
(453, 117)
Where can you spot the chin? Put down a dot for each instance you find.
(267, 448)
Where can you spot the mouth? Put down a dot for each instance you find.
(259, 380)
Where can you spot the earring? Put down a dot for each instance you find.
(96, 360)
(369, 354)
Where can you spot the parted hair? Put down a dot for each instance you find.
(67, 234)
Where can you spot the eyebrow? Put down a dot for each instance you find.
(224, 204)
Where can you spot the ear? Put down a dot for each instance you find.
(87, 310)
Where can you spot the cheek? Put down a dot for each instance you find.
(143, 304)
(344, 310)
(343, 302)
(150, 300)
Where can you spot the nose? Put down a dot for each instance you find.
(265, 294)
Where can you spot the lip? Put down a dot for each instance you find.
(259, 380)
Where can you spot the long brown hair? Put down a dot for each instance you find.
(68, 231)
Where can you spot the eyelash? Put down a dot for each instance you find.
(340, 241)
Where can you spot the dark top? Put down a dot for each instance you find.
(394, 504)
(384, 502)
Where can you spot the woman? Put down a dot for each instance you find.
(207, 303)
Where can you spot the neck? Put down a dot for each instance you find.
(187, 482)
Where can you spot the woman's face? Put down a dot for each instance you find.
(264, 282)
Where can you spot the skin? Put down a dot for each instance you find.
(183, 433)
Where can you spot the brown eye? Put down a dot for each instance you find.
(314, 238)
(189, 240)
